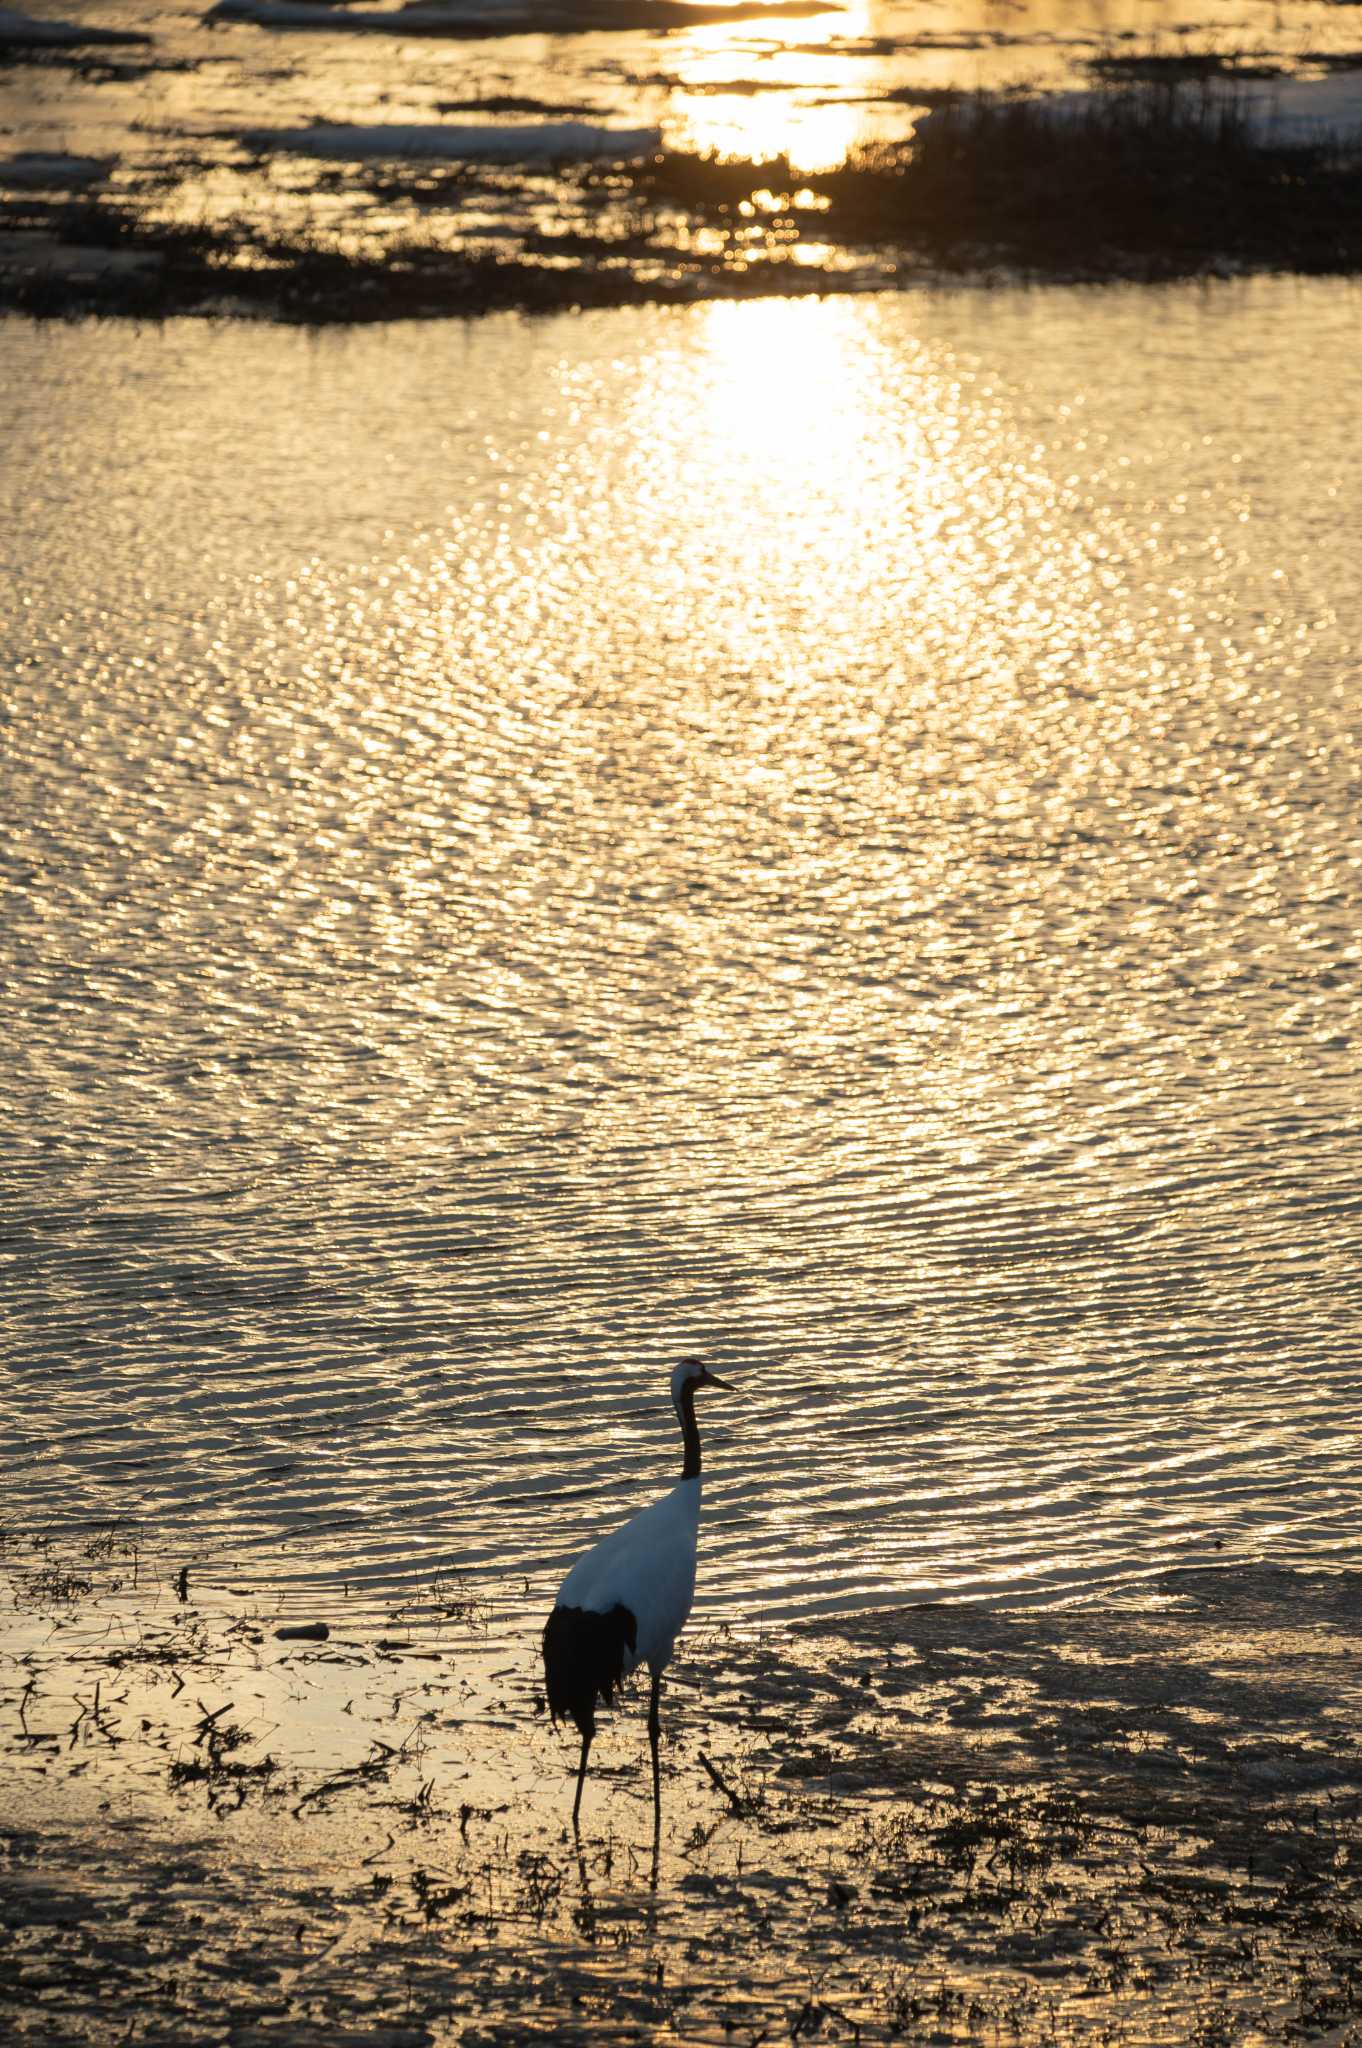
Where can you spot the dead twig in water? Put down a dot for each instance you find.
(735, 1800)
(353, 1774)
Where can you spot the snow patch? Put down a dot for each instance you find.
(395, 21)
(41, 170)
(518, 142)
(23, 31)
(513, 17)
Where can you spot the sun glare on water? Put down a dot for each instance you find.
(780, 91)
(790, 411)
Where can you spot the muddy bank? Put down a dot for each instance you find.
(934, 1824)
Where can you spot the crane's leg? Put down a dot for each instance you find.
(654, 1734)
(581, 1776)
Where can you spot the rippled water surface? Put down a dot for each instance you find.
(821, 833)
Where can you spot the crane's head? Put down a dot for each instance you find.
(694, 1373)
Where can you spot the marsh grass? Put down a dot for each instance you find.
(1168, 175)
(1188, 65)
(449, 1599)
(114, 1539)
(50, 1585)
(215, 1766)
(1150, 178)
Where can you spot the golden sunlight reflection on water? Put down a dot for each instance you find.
(819, 833)
(785, 103)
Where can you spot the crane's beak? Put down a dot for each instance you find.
(712, 1379)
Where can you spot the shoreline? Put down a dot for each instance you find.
(1146, 180)
(234, 164)
(106, 266)
(1075, 1825)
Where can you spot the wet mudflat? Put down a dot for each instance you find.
(225, 1821)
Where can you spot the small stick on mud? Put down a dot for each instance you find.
(353, 1774)
(736, 1802)
(205, 1728)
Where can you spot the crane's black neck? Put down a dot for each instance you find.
(690, 1434)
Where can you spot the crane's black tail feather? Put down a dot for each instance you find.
(584, 1657)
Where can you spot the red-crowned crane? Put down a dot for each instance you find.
(626, 1601)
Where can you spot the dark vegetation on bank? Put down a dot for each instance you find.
(1141, 181)
(94, 256)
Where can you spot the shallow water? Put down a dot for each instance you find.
(821, 833)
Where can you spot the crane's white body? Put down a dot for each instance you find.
(648, 1566)
(626, 1602)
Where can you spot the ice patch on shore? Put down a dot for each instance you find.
(511, 17)
(395, 21)
(22, 30)
(1299, 110)
(43, 170)
(517, 142)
